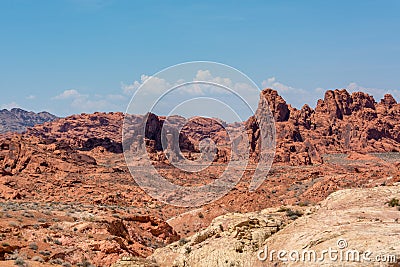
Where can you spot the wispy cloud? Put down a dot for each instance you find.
(85, 103)
(153, 85)
(376, 92)
(200, 84)
(297, 97)
(68, 94)
(10, 105)
(156, 85)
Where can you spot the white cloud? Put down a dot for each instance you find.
(30, 97)
(155, 85)
(86, 103)
(152, 88)
(206, 76)
(282, 88)
(72, 93)
(376, 92)
(151, 85)
(129, 89)
(203, 75)
(297, 97)
(10, 105)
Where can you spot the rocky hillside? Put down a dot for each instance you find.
(348, 220)
(340, 123)
(17, 120)
(63, 184)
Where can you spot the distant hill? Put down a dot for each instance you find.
(17, 120)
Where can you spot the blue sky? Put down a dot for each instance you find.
(73, 56)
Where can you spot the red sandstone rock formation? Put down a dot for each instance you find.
(340, 123)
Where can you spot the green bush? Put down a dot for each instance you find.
(394, 202)
(294, 214)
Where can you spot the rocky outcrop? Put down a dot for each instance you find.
(346, 220)
(78, 159)
(84, 131)
(230, 240)
(341, 122)
(277, 105)
(17, 120)
(78, 235)
(18, 154)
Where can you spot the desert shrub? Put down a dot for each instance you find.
(304, 203)
(20, 262)
(183, 241)
(85, 263)
(283, 209)
(33, 246)
(394, 202)
(45, 252)
(293, 214)
(38, 259)
(56, 261)
(28, 215)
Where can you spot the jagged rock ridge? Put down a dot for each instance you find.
(341, 122)
(17, 120)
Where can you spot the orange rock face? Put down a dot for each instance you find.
(71, 176)
(340, 123)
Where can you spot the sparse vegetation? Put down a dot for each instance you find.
(56, 261)
(394, 202)
(33, 246)
(304, 203)
(183, 241)
(45, 252)
(37, 258)
(20, 262)
(85, 263)
(283, 209)
(294, 214)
